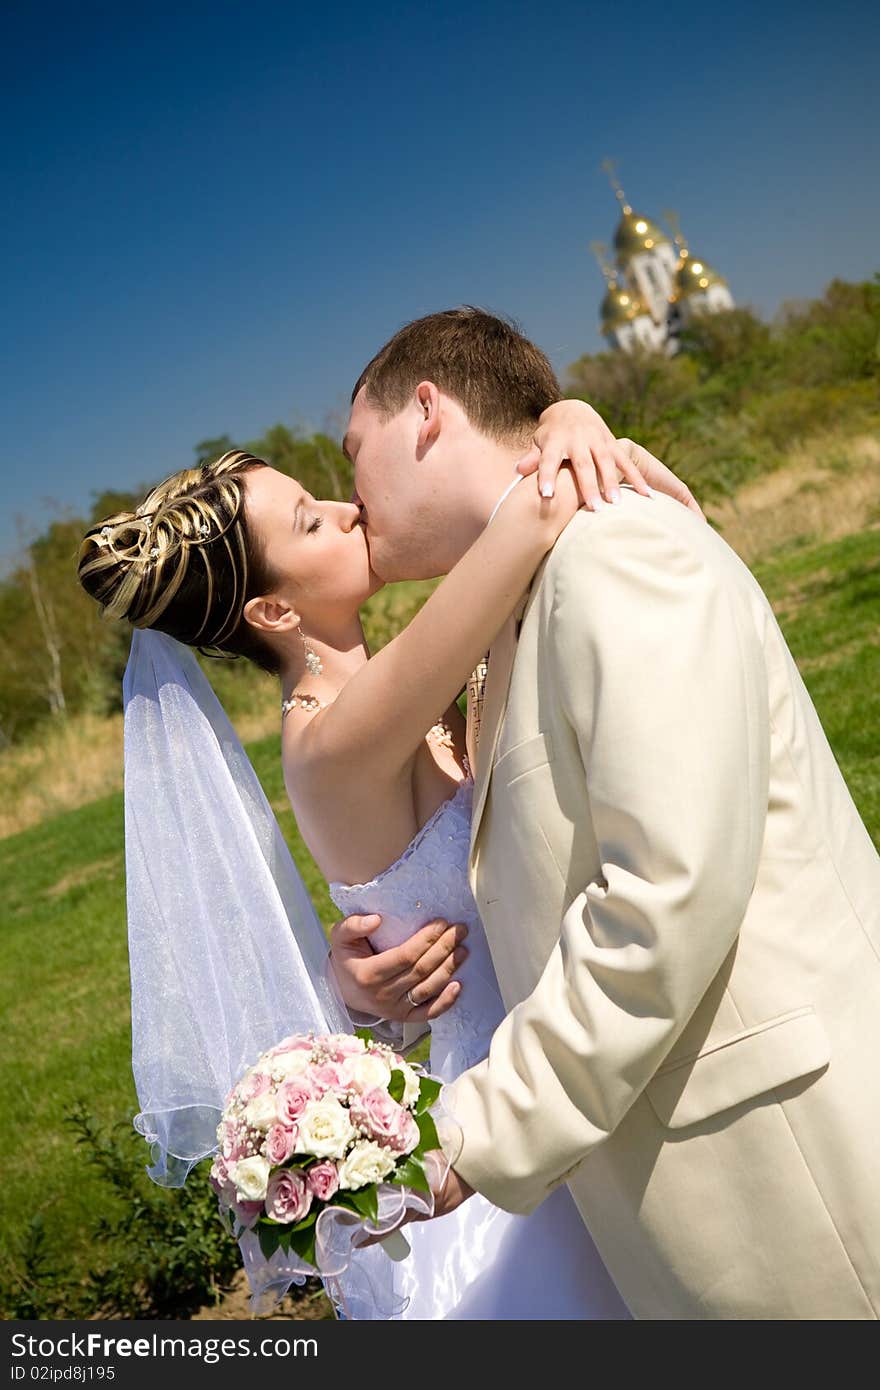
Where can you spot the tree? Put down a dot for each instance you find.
(643, 395)
(317, 462)
(735, 338)
(835, 338)
(208, 450)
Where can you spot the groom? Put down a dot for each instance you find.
(682, 903)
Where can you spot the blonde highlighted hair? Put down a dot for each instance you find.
(185, 561)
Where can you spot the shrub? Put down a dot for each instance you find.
(159, 1253)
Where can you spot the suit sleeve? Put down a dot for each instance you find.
(657, 668)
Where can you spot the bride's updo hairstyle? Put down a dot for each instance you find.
(185, 562)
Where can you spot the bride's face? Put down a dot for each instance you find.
(317, 549)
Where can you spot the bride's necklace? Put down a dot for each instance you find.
(438, 733)
(307, 702)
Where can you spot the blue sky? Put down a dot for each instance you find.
(216, 213)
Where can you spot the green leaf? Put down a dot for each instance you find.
(429, 1090)
(269, 1237)
(366, 1201)
(397, 1085)
(307, 1220)
(302, 1242)
(344, 1199)
(365, 1034)
(428, 1137)
(411, 1173)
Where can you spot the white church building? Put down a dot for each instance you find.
(655, 284)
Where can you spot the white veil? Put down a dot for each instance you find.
(226, 952)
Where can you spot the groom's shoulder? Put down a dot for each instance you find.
(643, 533)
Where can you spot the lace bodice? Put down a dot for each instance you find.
(430, 880)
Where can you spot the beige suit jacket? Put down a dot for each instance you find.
(683, 909)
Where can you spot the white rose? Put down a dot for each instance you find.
(251, 1178)
(262, 1111)
(291, 1063)
(367, 1070)
(324, 1129)
(368, 1162)
(411, 1084)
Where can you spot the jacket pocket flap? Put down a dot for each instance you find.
(738, 1068)
(524, 757)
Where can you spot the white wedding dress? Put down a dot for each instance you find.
(479, 1262)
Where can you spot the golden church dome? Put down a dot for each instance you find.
(635, 234)
(619, 306)
(694, 277)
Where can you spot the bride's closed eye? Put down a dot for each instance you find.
(315, 525)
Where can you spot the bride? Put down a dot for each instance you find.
(237, 558)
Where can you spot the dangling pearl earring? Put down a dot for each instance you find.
(314, 664)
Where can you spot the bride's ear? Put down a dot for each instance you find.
(271, 615)
(428, 402)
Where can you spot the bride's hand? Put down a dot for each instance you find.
(376, 982)
(661, 478)
(573, 431)
(598, 464)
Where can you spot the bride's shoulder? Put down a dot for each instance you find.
(324, 760)
(313, 745)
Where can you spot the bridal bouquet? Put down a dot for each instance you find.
(335, 1124)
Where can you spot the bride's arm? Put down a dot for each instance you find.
(386, 709)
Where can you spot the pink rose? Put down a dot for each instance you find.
(344, 1045)
(253, 1085)
(288, 1198)
(280, 1143)
(378, 1113)
(293, 1097)
(294, 1043)
(327, 1077)
(407, 1136)
(323, 1180)
(247, 1212)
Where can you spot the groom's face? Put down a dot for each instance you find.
(396, 488)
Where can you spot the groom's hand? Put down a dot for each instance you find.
(408, 983)
(452, 1192)
(449, 1193)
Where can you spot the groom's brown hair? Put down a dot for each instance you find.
(501, 379)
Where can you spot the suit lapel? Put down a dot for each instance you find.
(494, 704)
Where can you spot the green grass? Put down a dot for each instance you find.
(827, 599)
(64, 1004)
(64, 986)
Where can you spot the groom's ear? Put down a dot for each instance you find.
(428, 403)
(271, 614)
